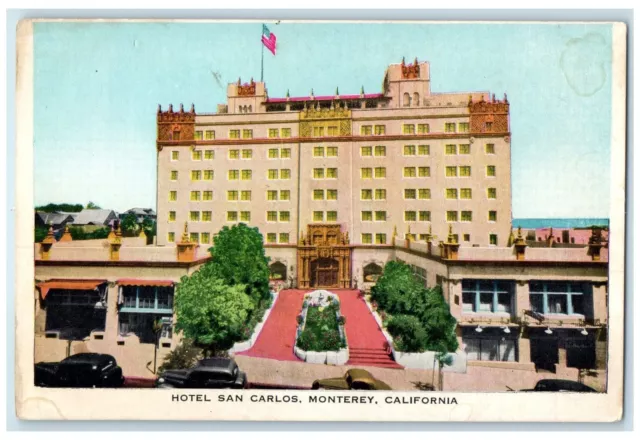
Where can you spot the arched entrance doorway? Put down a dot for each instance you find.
(324, 258)
(324, 272)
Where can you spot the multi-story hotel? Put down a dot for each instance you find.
(366, 165)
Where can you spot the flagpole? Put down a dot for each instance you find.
(262, 59)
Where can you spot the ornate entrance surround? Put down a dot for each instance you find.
(324, 257)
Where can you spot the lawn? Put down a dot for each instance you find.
(321, 330)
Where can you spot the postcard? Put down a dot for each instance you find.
(308, 221)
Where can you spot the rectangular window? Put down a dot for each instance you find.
(272, 195)
(381, 216)
(318, 194)
(172, 216)
(173, 196)
(380, 129)
(491, 193)
(381, 194)
(466, 237)
(365, 130)
(366, 194)
(366, 173)
(246, 174)
(332, 194)
(234, 154)
(285, 216)
(380, 172)
(425, 216)
(195, 196)
(465, 216)
(207, 195)
(493, 239)
(452, 216)
(232, 196)
(423, 150)
(380, 150)
(408, 129)
(450, 127)
(450, 149)
(409, 150)
(424, 193)
(410, 216)
(381, 238)
(247, 154)
(487, 296)
(208, 174)
(332, 130)
(491, 171)
(171, 237)
(285, 132)
(490, 149)
(557, 298)
(205, 237)
(285, 153)
(465, 171)
(465, 193)
(423, 128)
(209, 135)
(332, 216)
(366, 151)
(366, 238)
(272, 174)
(409, 172)
(234, 134)
(409, 193)
(175, 155)
(245, 216)
(206, 216)
(233, 174)
(284, 237)
(318, 216)
(209, 154)
(198, 135)
(247, 134)
(318, 131)
(274, 133)
(332, 151)
(463, 127)
(196, 175)
(452, 193)
(271, 237)
(196, 155)
(366, 216)
(174, 175)
(451, 171)
(493, 216)
(464, 149)
(194, 216)
(245, 196)
(285, 194)
(272, 216)
(318, 151)
(193, 237)
(424, 172)
(273, 153)
(285, 174)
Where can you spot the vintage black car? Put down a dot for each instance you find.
(561, 385)
(83, 370)
(207, 373)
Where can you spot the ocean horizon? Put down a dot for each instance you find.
(535, 223)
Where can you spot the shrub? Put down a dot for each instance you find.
(299, 319)
(184, 355)
(408, 333)
(342, 320)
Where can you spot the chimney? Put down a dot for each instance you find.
(595, 243)
(520, 245)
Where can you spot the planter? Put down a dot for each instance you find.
(246, 345)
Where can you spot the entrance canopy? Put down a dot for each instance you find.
(45, 286)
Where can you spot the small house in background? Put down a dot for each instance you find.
(92, 219)
(141, 214)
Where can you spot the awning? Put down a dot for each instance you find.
(45, 286)
(136, 282)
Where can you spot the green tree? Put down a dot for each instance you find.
(211, 312)
(55, 207)
(238, 257)
(149, 227)
(183, 356)
(438, 322)
(40, 233)
(92, 205)
(129, 223)
(398, 291)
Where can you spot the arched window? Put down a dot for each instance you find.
(416, 99)
(406, 101)
(278, 271)
(250, 109)
(371, 272)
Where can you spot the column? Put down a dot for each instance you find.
(522, 301)
(455, 298)
(599, 302)
(111, 324)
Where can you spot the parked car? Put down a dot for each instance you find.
(561, 385)
(83, 370)
(353, 379)
(207, 373)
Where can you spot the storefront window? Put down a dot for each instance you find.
(490, 345)
(557, 298)
(483, 296)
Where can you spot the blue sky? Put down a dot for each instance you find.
(97, 87)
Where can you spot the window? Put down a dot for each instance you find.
(332, 130)
(332, 216)
(232, 216)
(451, 171)
(465, 171)
(195, 196)
(465, 216)
(194, 216)
(318, 216)
(274, 133)
(490, 346)
(196, 175)
(423, 128)
(381, 194)
(209, 154)
(557, 298)
(491, 171)
(272, 195)
(380, 172)
(452, 216)
(381, 238)
(409, 172)
(452, 193)
(488, 126)
(425, 216)
(450, 149)
(318, 131)
(232, 195)
(175, 155)
(172, 216)
(234, 134)
(234, 154)
(493, 216)
(318, 151)
(380, 129)
(424, 172)
(318, 194)
(247, 134)
(205, 237)
(463, 127)
(381, 216)
(332, 151)
(406, 100)
(174, 175)
(246, 174)
(424, 193)
(466, 237)
(410, 216)
(366, 238)
(175, 135)
(366, 151)
(207, 195)
(490, 149)
(171, 237)
(285, 194)
(283, 238)
(245, 196)
(272, 216)
(285, 174)
(408, 129)
(208, 174)
(464, 149)
(450, 127)
(423, 150)
(409, 193)
(332, 194)
(273, 153)
(272, 174)
(285, 153)
(491, 193)
(416, 99)
(271, 237)
(493, 239)
(366, 216)
(247, 154)
(366, 173)
(487, 296)
(233, 174)
(465, 193)
(285, 132)
(285, 216)
(197, 135)
(209, 135)
(380, 150)
(245, 216)
(173, 196)
(206, 216)
(196, 155)
(366, 194)
(409, 150)
(365, 130)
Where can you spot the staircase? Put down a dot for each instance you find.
(372, 357)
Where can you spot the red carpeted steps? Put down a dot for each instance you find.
(374, 357)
